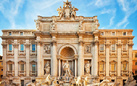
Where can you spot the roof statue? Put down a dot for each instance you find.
(67, 11)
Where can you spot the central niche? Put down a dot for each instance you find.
(67, 57)
(67, 52)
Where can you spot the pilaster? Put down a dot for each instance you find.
(80, 60)
(16, 45)
(95, 59)
(130, 56)
(53, 60)
(39, 58)
(119, 45)
(107, 59)
(27, 45)
(4, 59)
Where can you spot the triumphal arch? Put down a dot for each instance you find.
(67, 50)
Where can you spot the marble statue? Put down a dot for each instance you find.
(130, 81)
(87, 67)
(47, 68)
(66, 68)
(78, 81)
(60, 12)
(73, 14)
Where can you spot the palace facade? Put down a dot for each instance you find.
(76, 40)
(134, 62)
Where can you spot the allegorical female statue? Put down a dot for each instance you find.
(47, 68)
(87, 67)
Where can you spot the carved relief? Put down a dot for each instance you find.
(87, 49)
(47, 48)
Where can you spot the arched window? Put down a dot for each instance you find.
(135, 63)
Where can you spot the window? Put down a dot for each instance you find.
(113, 33)
(135, 63)
(1, 76)
(124, 47)
(33, 47)
(101, 47)
(9, 33)
(10, 47)
(124, 33)
(1, 69)
(101, 67)
(136, 55)
(0, 58)
(10, 67)
(113, 66)
(1, 63)
(135, 71)
(125, 66)
(22, 47)
(102, 33)
(21, 33)
(33, 67)
(22, 82)
(113, 47)
(22, 67)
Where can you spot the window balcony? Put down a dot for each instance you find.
(22, 52)
(124, 52)
(124, 72)
(102, 52)
(112, 73)
(10, 73)
(102, 73)
(33, 73)
(22, 73)
(10, 53)
(33, 52)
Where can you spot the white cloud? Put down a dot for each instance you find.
(10, 9)
(100, 3)
(129, 7)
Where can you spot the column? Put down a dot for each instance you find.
(75, 67)
(53, 60)
(16, 45)
(119, 59)
(95, 63)
(130, 57)
(107, 59)
(4, 59)
(59, 68)
(39, 64)
(80, 60)
(27, 45)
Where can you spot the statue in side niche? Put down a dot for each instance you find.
(47, 68)
(87, 67)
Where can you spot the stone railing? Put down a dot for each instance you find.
(102, 73)
(33, 52)
(124, 72)
(22, 52)
(33, 73)
(101, 52)
(10, 73)
(112, 73)
(22, 73)
(10, 52)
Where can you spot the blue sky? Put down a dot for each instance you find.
(112, 14)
